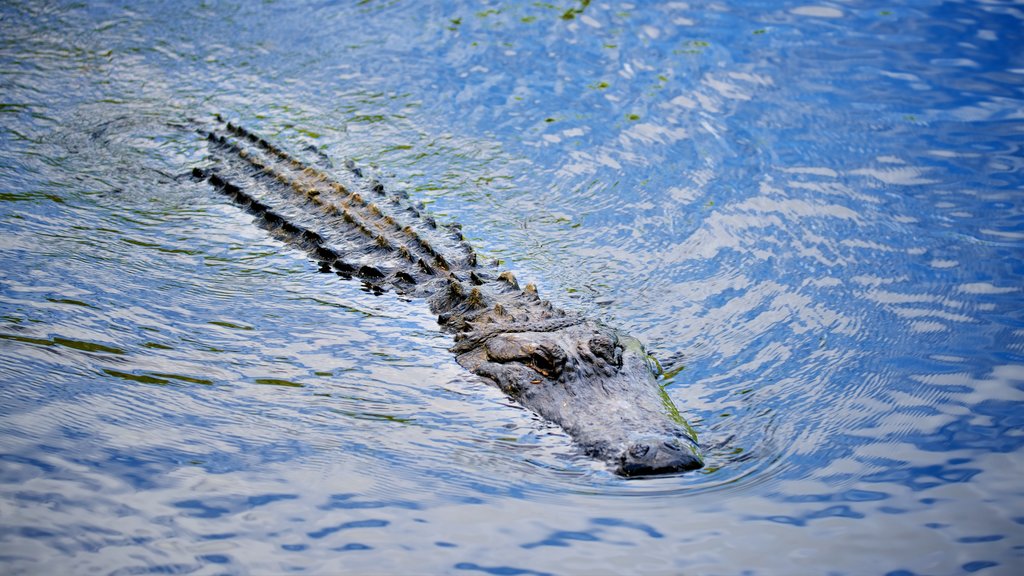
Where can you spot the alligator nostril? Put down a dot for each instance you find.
(639, 450)
(654, 456)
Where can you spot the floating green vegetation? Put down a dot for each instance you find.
(561, 220)
(488, 180)
(886, 13)
(14, 197)
(371, 118)
(488, 12)
(375, 416)
(86, 346)
(309, 133)
(669, 375)
(69, 301)
(610, 46)
(182, 378)
(573, 12)
(759, 31)
(278, 382)
(632, 117)
(156, 346)
(651, 360)
(144, 244)
(26, 339)
(692, 47)
(550, 120)
(527, 19)
(673, 413)
(599, 85)
(231, 325)
(140, 378)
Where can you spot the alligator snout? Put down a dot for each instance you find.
(656, 455)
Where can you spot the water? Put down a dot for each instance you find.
(810, 212)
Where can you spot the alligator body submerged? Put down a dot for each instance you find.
(597, 384)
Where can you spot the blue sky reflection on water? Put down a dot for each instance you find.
(810, 212)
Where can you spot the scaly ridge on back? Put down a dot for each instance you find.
(367, 216)
(332, 198)
(459, 308)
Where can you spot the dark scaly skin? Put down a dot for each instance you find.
(594, 382)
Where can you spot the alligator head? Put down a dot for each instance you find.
(598, 385)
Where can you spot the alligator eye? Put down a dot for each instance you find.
(547, 362)
(605, 348)
(544, 358)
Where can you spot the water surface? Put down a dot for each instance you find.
(813, 214)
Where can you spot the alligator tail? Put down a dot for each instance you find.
(368, 233)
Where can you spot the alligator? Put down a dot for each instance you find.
(597, 384)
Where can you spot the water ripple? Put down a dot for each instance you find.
(809, 211)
